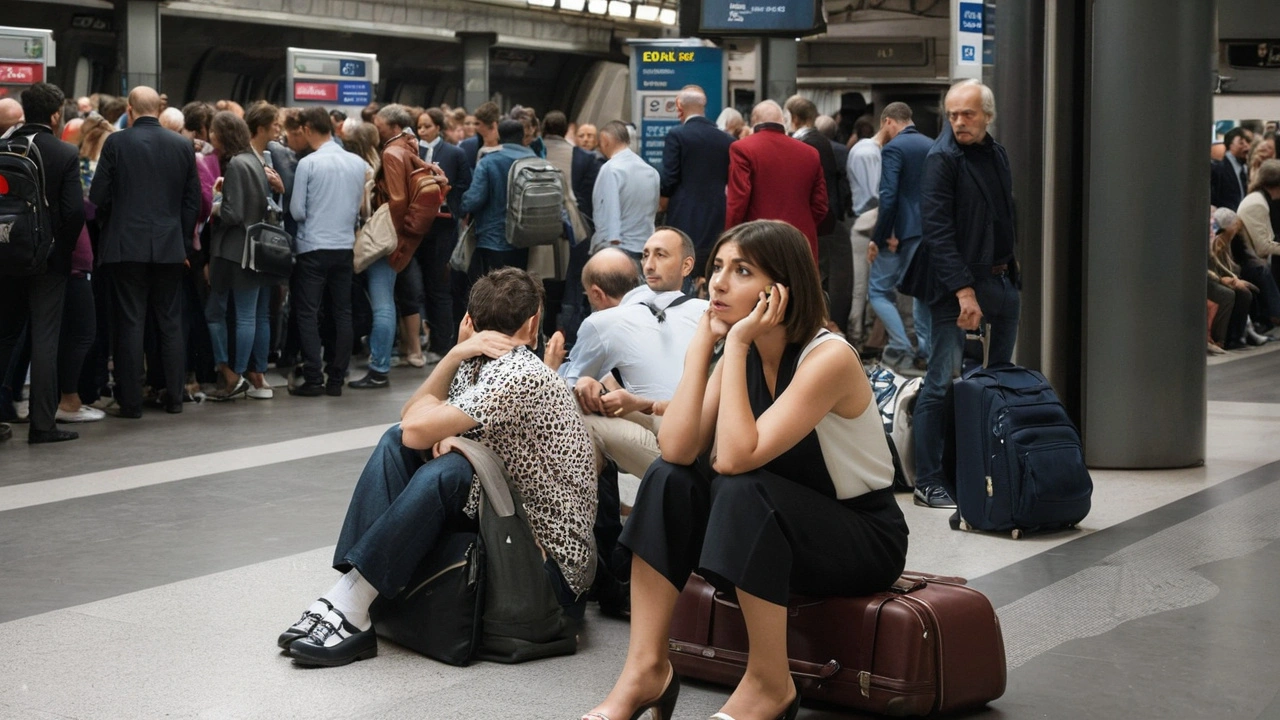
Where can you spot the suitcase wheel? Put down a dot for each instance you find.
(1017, 534)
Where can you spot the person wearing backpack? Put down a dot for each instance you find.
(35, 299)
(486, 201)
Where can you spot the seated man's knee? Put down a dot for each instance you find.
(393, 438)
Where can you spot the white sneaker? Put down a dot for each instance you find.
(262, 393)
(1215, 350)
(23, 408)
(85, 414)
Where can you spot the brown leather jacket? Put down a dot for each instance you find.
(399, 159)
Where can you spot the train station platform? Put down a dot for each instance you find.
(146, 570)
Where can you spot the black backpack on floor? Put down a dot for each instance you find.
(26, 226)
(485, 596)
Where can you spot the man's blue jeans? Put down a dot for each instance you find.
(401, 506)
(882, 290)
(1000, 304)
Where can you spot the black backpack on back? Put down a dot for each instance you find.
(26, 226)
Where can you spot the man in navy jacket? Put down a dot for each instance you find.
(695, 170)
(967, 271)
(897, 235)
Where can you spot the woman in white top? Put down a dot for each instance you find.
(797, 495)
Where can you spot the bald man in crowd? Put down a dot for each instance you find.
(695, 170)
(773, 176)
(10, 114)
(146, 182)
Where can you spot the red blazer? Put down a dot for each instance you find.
(775, 177)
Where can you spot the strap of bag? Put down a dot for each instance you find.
(492, 473)
(661, 313)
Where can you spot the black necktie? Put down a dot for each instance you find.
(1244, 179)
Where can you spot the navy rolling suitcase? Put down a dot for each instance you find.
(1013, 456)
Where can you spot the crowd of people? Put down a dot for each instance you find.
(1244, 194)
(700, 326)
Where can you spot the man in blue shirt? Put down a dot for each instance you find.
(626, 195)
(328, 189)
(486, 201)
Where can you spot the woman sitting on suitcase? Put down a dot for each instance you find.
(797, 498)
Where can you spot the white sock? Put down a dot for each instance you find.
(352, 596)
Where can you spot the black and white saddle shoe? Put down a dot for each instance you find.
(333, 642)
(303, 627)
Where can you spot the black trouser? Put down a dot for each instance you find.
(765, 534)
(34, 303)
(317, 274)
(95, 378)
(140, 289)
(79, 327)
(433, 260)
(835, 265)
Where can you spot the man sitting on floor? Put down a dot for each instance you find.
(491, 388)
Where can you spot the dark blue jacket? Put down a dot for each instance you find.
(147, 184)
(695, 170)
(901, 176)
(471, 149)
(453, 161)
(1224, 185)
(586, 168)
(958, 223)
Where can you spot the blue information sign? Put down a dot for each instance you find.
(355, 93)
(661, 70)
(971, 17)
(351, 68)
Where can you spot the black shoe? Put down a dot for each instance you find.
(6, 432)
(333, 389)
(308, 389)
(128, 413)
(371, 381)
(173, 408)
(302, 628)
(934, 497)
(616, 602)
(37, 437)
(793, 709)
(333, 642)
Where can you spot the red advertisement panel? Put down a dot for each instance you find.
(21, 73)
(319, 91)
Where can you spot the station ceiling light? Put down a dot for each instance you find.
(665, 12)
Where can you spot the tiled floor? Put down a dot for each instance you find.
(146, 569)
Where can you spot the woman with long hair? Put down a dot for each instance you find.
(243, 203)
(797, 494)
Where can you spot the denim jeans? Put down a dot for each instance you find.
(253, 327)
(882, 289)
(382, 285)
(401, 506)
(1000, 304)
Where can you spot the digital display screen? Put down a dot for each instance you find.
(782, 17)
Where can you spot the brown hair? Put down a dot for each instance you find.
(260, 115)
(504, 300)
(232, 132)
(782, 252)
(488, 113)
(802, 110)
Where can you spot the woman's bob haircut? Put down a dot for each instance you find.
(782, 252)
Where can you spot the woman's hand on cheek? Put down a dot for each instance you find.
(768, 313)
(713, 327)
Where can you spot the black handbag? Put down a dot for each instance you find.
(268, 247)
(438, 614)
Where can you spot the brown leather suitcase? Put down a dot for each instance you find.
(929, 646)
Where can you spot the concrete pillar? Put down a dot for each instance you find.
(141, 40)
(475, 67)
(1145, 398)
(1018, 84)
(780, 55)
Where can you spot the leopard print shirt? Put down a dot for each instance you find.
(528, 417)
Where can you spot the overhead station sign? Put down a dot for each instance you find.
(659, 69)
(790, 18)
(336, 79)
